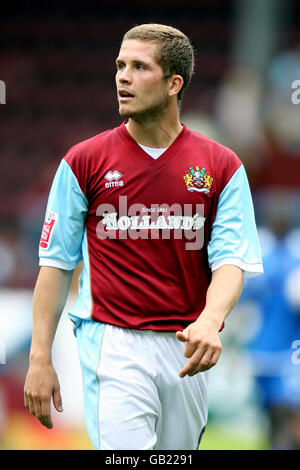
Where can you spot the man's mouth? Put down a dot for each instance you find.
(125, 95)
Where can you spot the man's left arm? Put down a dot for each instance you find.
(202, 342)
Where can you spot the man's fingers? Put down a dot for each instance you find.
(193, 363)
(186, 370)
(39, 406)
(200, 361)
(26, 404)
(182, 336)
(205, 362)
(41, 385)
(57, 401)
(36, 408)
(45, 418)
(31, 406)
(189, 348)
(215, 356)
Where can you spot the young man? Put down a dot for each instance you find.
(163, 220)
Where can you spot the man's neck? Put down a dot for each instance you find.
(156, 134)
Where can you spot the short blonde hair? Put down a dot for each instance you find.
(175, 53)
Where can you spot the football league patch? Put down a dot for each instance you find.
(49, 223)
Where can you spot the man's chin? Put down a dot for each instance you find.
(125, 113)
(144, 115)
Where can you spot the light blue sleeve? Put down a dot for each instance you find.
(234, 238)
(63, 230)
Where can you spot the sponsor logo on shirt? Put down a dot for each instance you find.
(160, 221)
(197, 179)
(113, 179)
(112, 222)
(49, 223)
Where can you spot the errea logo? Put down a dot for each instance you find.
(113, 178)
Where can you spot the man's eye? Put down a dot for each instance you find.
(140, 67)
(120, 66)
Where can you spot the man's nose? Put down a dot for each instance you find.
(124, 75)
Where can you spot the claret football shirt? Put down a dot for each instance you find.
(149, 231)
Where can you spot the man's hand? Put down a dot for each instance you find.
(202, 343)
(202, 346)
(50, 295)
(40, 385)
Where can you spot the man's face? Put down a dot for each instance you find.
(142, 89)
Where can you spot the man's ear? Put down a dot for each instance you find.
(176, 83)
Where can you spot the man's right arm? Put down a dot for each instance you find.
(50, 295)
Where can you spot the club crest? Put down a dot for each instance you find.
(197, 179)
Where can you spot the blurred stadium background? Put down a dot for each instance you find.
(57, 61)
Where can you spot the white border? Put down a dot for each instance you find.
(54, 263)
(250, 270)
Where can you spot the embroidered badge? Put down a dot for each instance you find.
(50, 220)
(198, 180)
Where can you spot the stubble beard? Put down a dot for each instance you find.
(150, 114)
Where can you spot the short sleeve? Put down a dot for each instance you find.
(234, 238)
(63, 229)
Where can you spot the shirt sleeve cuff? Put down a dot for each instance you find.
(250, 270)
(54, 263)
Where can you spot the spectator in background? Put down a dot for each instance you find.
(238, 114)
(8, 251)
(281, 120)
(282, 116)
(276, 296)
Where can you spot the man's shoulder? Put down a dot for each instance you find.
(90, 145)
(222, 160)
(211, 145)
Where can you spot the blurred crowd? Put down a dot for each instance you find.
(59, 75)
(256, 116)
